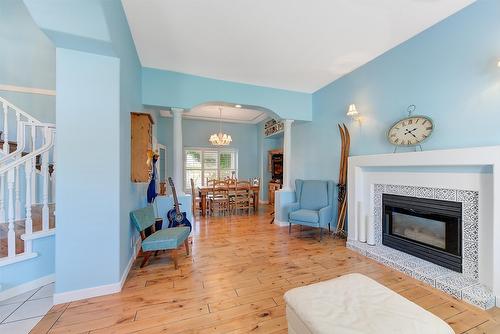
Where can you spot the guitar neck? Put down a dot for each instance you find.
(176, 201)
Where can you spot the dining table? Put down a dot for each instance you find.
(204, 190)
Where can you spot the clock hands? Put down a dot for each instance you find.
(410, 131)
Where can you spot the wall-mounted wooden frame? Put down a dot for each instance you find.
(141, 140)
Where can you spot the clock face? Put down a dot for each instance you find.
(410, 131)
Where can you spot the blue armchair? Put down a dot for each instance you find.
(314, 204)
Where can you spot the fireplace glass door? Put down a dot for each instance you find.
(427, 231)
(427, 228)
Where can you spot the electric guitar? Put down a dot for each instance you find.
(175, 216)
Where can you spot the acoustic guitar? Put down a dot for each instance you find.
(174, 215)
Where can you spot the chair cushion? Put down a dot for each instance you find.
(168, 238)
(314, 195)
(143, 218)
(303, 215)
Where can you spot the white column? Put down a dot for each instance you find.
(287, 154)
(177, 151)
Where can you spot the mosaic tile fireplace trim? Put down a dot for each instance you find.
(470, 217)
(464, 285)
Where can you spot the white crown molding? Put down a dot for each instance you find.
(25, 287)
(256, 120)
(28, 90)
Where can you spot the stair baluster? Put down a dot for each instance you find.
(28, 223)
(45, 180)
(33, 165)
(18, 199)
(17, 207)
(22, 154)
(11, 235)
(2, 198)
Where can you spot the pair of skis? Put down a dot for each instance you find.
(342, 185)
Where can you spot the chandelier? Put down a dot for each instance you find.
(220, 139)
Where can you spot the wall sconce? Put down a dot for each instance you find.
(498, 64)
(353, 112)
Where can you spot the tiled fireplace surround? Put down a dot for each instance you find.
(464, 285)
(470, 176)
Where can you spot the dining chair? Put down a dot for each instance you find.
(219, 201)
(195, 199)
(231, 182)
(243, 196)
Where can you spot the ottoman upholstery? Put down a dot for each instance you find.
(353, 304)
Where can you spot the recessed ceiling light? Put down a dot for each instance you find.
(238, 105)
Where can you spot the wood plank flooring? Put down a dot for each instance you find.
(234, 282)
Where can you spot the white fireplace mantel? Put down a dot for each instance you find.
(360, 175)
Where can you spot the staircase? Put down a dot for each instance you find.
(27, 179)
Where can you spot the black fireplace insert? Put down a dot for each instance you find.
(426, 228)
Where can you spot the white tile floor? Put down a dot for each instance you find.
(18, 315)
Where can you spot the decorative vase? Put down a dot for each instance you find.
(370, 231)
(361, 223)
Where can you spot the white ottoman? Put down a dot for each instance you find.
(357, 304)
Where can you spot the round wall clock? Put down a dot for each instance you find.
(411, 130)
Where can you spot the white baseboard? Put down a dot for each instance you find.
(71, 296)
(280, 223)
(25, 287)
(107, 289)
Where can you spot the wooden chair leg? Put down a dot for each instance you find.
(174, 257)
(186, 244)
(289, 228)
(146, 257)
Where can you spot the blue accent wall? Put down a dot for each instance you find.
(28, 59)
(448, 71)
(172, 89)
(32, 269)
(98, 85)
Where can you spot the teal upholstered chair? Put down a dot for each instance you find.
(314, 204)
(165, 239)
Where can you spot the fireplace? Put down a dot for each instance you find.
(427, 228)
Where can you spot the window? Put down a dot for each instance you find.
(202, 164)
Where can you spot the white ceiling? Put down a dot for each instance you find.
(291, 44)
(230, 114)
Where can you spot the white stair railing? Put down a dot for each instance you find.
(18, 180)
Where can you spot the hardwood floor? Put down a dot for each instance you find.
(234, 283)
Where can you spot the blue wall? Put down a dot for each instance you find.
(98, 85)
(195, 133)
(32, 269)
(172, 89)
(448, 71)
(28, 60)
(88, 182)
